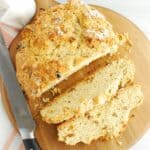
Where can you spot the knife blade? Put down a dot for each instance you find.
(20, 109)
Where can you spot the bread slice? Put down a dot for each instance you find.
(95, 90)
(105, 121)
(60, 41)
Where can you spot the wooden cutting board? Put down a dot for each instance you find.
(47, 135)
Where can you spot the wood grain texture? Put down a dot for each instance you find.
(47, 135)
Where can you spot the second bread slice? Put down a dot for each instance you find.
(95, 90)
(105, 121)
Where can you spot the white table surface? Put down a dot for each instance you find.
(138, 11)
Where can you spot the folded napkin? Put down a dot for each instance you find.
(14, 14)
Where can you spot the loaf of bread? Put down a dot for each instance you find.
(105, 122)
(94, 90)
(60, 41)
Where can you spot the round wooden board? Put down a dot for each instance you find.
(47, 135)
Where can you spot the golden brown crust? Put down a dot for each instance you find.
(60, 41)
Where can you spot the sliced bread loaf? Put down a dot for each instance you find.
(60, 41)
(95, 90)
(105, 121)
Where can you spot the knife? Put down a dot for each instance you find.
(22, 115)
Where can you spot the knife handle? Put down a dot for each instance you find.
(31, 144)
